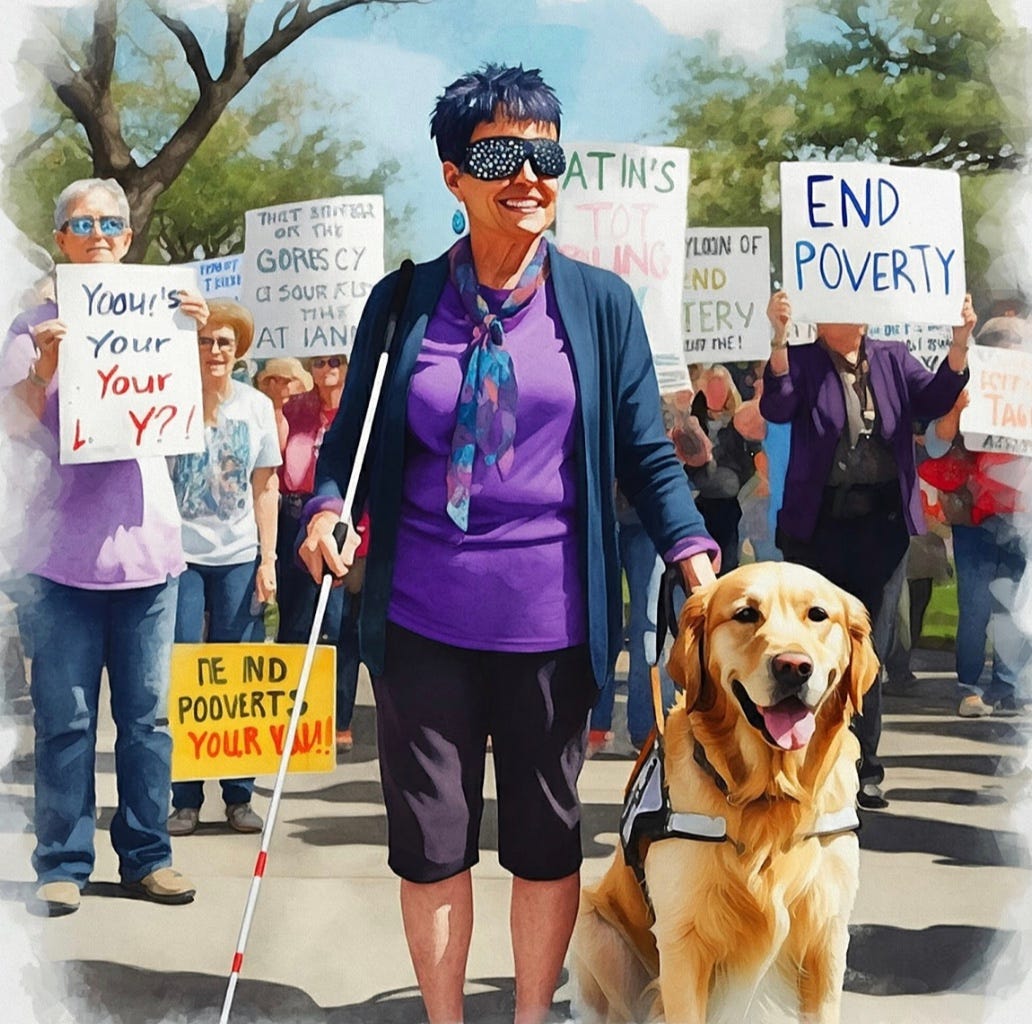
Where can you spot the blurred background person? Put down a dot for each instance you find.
(306, 418)
(981, 496)
(280, 379)
(851, 497)
(720, 480)
(227, 495)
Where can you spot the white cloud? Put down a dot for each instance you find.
(755, 27)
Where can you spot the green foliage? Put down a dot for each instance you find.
(914, 82)
(281, 142)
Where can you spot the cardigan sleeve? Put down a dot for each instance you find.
(647, 468)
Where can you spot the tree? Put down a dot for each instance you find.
(84, 80)
(906, 81)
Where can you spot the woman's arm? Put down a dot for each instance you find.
(779, 400)
(265, 487)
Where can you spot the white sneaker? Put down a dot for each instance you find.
(972, 706)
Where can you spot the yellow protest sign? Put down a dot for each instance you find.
(229, 709)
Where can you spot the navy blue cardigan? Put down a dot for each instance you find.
(620, 437)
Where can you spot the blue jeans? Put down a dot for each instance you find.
(297, 596)
(226, 592)
(644, 570)
(76, 633)
(989, 568)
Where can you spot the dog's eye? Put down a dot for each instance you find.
(746, 614)
(816, 614)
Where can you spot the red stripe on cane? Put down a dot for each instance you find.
(238, 962)
(259, 866)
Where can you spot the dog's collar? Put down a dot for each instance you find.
(833, 822)
(699, 754)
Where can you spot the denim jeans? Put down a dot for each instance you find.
(76, 633)
(644, 570)
(990, 565)
(298, 595)
(226, 592)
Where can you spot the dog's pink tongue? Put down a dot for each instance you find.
(790, 723)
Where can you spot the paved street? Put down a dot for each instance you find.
(936, 934)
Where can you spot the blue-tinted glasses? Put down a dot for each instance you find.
(501, 156)
(82, 226)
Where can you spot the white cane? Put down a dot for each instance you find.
(340, 534)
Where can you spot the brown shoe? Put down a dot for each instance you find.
(345, 741)
(58, 898)
(162, 886)
(242, 818)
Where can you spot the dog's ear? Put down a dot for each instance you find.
(685, 663)
(863, 661)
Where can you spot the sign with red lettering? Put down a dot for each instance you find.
(130, 376)
(869, 242)
(307, 270)
(624, 207)
(999, 417)
(229, 709)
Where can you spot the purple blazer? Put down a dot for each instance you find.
(810, 397)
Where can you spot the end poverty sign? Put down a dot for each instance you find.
(865, 242)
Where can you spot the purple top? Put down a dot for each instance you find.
(511, 582)
(108, 525)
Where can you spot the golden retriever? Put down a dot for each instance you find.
(773, 661)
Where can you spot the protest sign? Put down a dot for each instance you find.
(130, 376)
(927, 343)
(868, 241)
(307, 270)
(624, 207)
(999, 417)
(726, 288)
(220, 277)
(229, 708)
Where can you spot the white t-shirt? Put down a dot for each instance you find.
(213, 487)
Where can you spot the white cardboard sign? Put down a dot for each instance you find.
(726, 288)
(220, 276)
(307, 270)
(927, 343)
(999, 417)
(624, 207)
(865, 242)
(130, 378)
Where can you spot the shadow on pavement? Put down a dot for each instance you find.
(115, 994)
(889, 961)
(946, 841)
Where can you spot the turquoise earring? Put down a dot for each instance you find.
(458, 221)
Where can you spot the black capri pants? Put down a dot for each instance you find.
(435, 707)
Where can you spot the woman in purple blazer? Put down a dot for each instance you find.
(852, 499)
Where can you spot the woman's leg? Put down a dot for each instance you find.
(541, 919)
(232, 619)
(68, 632)
(975, 558)
(438, 919)
(189, 629)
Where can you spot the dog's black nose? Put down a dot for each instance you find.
(791, 669)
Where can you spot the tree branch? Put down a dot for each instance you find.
(188, 41)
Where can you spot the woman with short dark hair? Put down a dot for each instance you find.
(521, 386)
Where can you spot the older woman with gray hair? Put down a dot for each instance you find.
(521, 386)
(105, 598)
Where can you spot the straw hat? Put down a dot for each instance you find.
(286, 366)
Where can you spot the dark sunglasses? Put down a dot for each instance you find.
(501, 156)
(333, 362)
(82, 226)
(219, 343)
